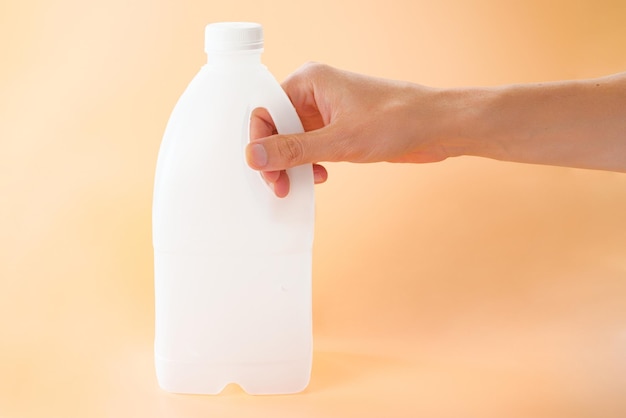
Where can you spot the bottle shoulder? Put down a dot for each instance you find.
(229, 69)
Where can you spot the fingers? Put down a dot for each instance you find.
(270, 152)
(305, 88)
(271, 176)
(279, 180)
(281, 185)
(320, 175)
(279, 152)
(261, 126)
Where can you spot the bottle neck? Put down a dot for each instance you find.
(236, 59)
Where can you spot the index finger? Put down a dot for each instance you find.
(261, 124)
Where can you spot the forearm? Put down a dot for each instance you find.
(572, 123)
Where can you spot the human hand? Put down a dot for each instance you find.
(347, 117)
(262, 126)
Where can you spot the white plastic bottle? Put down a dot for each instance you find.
(232, 261)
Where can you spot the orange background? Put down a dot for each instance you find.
(468, 288)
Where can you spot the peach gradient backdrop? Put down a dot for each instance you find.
(469, 288)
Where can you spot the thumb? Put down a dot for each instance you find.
(279, 152)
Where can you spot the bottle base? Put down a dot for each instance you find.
(233, 318)
(280, 378)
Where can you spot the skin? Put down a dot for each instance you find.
(361, 119)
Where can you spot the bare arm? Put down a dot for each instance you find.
(569, 123)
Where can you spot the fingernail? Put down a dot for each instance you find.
(257, 155)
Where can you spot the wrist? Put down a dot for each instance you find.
(461, 126)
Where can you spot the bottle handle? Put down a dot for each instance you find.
(286, 121)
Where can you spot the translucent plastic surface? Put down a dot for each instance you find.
(232, 261)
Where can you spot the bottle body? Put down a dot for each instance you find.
(232, 261)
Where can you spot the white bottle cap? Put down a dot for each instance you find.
(233, 36)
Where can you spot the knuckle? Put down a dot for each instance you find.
(351, 144)
(310, 72)
(311, 65)
(291, 150)
(313, 69)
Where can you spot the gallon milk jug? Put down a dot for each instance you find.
(232, 262)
